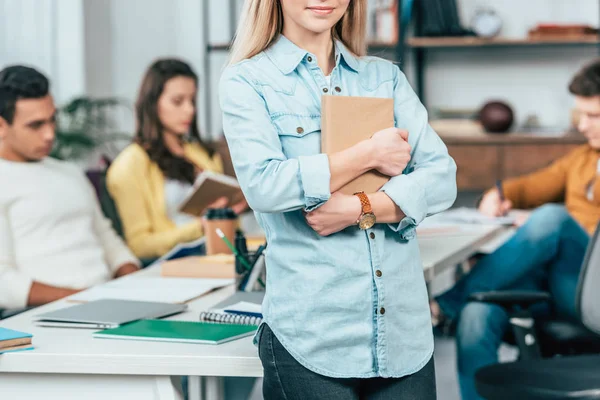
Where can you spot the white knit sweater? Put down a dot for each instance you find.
(52, 231)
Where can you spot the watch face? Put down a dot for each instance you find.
(366, 221)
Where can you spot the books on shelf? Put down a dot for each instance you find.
(382, 22)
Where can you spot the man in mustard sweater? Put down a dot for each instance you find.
(546, 252)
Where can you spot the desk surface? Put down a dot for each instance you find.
(75, 351)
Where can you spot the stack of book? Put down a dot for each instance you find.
(11, 341)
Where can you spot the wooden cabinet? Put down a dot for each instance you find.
(482, 159)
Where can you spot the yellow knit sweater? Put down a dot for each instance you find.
(566, 180)
(137, 186)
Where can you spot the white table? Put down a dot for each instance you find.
(442, 251)
(70, 364)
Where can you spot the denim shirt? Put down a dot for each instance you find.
(352, 304)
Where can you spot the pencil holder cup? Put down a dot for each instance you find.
(241, 272)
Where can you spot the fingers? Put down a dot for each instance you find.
(403, 134)
(240, 207)
(506, 206)
(220, 203)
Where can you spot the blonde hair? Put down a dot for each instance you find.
(261, 23)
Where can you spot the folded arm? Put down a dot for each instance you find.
(271, 182)
(428, 185)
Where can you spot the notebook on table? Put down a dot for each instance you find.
(12, 341)
(152, 288)
(348, 120)
(241, 313)
(178, 331)
(106, 313)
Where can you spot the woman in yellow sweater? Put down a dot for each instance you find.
(153, 175)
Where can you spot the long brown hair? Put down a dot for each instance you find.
(261, 22)
(149, 130)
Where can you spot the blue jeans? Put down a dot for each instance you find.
(286, 379)
(545, 254)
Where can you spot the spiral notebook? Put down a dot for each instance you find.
(241, 313)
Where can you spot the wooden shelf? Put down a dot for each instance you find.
(514, 138)
(482, 159)
(219, 47)
(471, 41)
(382, 46)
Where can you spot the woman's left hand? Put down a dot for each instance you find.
(338, 213)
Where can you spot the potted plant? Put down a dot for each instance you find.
(86, 125)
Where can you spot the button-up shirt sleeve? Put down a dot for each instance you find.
(271, 182)
(428, 185)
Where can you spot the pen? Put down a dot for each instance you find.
(246, 313)
(499, 188)
(233, 249)
(500, 193)
(258, 253)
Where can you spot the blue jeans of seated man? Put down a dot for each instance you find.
(544, 254)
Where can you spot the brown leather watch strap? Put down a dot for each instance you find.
(364, 202)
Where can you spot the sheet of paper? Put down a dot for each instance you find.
(472, 216)
(245, 306)
(161, 289)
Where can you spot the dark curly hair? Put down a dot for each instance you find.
(586, 82)
(149, 129)
(20, 82)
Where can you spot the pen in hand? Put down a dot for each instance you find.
(501, 194)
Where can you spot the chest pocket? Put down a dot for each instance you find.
(299, 135)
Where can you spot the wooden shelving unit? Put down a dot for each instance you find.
(429, 42)
(482, 159)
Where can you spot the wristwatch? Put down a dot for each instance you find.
(367, 218)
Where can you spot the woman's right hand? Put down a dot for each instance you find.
(391, 151)
(493, 206)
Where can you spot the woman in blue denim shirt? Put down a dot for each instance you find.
(346, 308)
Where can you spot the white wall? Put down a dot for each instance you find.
(48, 35)
(124, 37)
(532, 79)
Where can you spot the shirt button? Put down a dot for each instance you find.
(338, 89)
(378, 273)
(300, 130)
(309, 58)
(382, 311)
(372, 235)
(325, 90)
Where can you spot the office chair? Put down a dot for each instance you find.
(575, 376)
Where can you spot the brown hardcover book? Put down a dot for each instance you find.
(346, 121)
(208, 188)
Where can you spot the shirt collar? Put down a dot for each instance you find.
(286, 55)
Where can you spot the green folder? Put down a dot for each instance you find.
(178, 331)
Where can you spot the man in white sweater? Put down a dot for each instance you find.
(54, 239)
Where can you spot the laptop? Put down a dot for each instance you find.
(106, 313)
